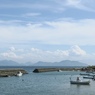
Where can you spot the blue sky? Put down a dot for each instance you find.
(47, 30)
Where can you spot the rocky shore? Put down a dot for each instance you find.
(88, 69)
(11, 72)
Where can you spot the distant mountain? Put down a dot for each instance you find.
(41, 63)
(27, 63)
(8, 63)
(61, 63)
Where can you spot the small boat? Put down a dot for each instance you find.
(80, 82)
(89, 71)
(84, 74)
(88, 77)
(59, 70)
(91, 75)
(19, 74)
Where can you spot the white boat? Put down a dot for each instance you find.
(19, 74)
(84, 74)
(80, 82)
(88, 77)
(59, 70)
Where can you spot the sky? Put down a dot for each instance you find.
(47, 30)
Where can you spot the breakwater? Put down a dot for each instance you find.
(11, 72)
(87, 69)
(39, 70)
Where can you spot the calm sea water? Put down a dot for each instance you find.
(48, 83)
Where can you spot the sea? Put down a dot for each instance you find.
(46, 83)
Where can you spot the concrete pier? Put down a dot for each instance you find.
(11, 72)
(39, 70)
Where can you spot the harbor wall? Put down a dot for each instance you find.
(11, 72)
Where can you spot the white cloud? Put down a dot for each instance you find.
(69, 32)
(51, 5)
(38, 5)
(87, 5)
(10, 55)
(35, 55)
(9, 22)
(76, 51)
(31, 14)
(12, 49)
(73, 2)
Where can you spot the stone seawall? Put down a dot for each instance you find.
(11, 72)
(39, 70)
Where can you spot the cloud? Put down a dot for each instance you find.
(35, 54)
(50, 5)
(40, 5)
(31, 14)
(10, 55)
(24, 15)
(10, 22)
(73, 2)
(76, 51)
(12, 49)
(61, 32)
(86, 5)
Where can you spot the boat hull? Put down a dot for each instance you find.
(19, 74)
(80, 82)
(88, 77)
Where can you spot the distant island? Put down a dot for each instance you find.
(61, 63)
(9, 63)
(41, 63)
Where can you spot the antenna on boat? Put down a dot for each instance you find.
(70, 77)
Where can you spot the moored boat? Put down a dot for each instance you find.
(80, 82)
(84, 74)
(19, 74)
(88, 77)
(59, 70)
